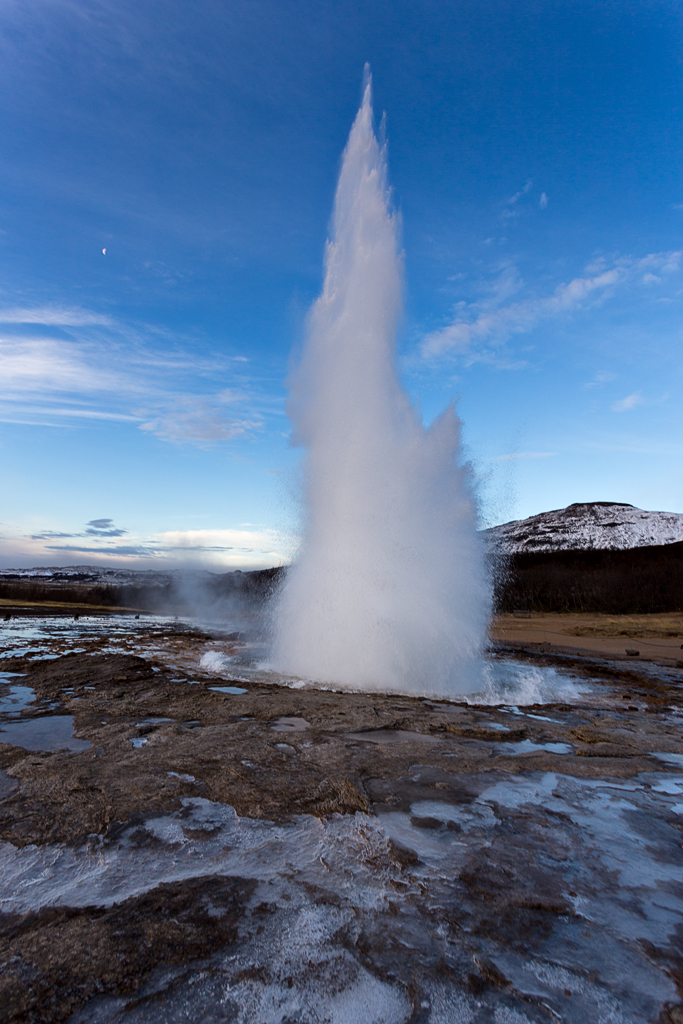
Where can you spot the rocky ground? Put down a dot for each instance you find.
(265, 853)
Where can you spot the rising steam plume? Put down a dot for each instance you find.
(389, 589)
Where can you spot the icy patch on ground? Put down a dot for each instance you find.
(333, 888)
(234, 690)
(674, 759)
(302, 974)
(528, 747)
(288, 724)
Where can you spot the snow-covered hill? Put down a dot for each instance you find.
(596, 524)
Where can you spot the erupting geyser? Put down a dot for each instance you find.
(389, 589)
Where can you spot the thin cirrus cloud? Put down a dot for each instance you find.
(40, 366)
(516, 456)
(68, 413)
(104, 543)
(511, 203)
(54, 316)
(200, 421)
(630, 402)
(107, 371)
(263, 542)
(120, 551)
(600, 379)
(480, 329)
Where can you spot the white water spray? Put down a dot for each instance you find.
(389, 589)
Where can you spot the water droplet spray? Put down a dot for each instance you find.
(389, 589)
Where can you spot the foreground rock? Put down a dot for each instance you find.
(281, 854)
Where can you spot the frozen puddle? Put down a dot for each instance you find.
(673, 759)
(18, 698)
(54, 732)
(562, 887)
(285, 724)
(527, 747)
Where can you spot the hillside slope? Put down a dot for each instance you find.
(601, 525)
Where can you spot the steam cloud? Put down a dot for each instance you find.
(389, 590)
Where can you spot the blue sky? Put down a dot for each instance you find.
(535, 155)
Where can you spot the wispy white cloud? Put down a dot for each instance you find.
(268, 544)
(97, 369)
(480, 328)
(510, 207)
(482, 323)
(604, 377)
(543, 201)
(522, 192)
(39, 366)
(630, 402)
(246, 548)
(637, 446)
(10, 413)
(515, 456)
(54, 316)
(201, 421)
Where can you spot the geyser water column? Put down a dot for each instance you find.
(389, 589)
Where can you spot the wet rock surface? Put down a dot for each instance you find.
(302, 854)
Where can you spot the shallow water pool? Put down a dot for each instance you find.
(52, 732)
